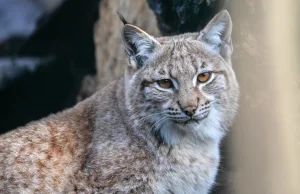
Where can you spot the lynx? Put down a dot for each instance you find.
(155, 130)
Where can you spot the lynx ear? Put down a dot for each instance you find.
(217, 34)
(139, 46)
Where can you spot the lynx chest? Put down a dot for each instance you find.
(188, 168)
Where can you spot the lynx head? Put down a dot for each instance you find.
(182, 85)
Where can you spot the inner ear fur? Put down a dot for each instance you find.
(217, 34)
(139, 46)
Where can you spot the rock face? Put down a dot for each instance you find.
(19, 19)
(49, 67)
(180, 16)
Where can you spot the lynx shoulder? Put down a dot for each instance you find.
(155, 130)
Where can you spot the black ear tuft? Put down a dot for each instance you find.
(122, 18)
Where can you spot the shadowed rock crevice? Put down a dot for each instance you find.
(44, 72)
(180, 16)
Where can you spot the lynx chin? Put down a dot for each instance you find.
(155, 130)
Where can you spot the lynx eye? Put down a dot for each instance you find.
(204, 77)
(165, 83)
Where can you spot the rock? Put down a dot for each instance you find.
(180, 16)
(65, 37)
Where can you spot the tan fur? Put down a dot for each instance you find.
(41, 156)
(130, 137)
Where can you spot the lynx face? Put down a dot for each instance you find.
(183, 85)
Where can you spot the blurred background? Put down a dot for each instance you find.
(55, 53)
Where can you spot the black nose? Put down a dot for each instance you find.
(189, 110)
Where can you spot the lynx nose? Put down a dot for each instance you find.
(189, 110)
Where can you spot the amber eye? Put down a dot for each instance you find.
(204, 77)
(165, 83)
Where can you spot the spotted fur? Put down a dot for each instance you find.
(135, 136)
